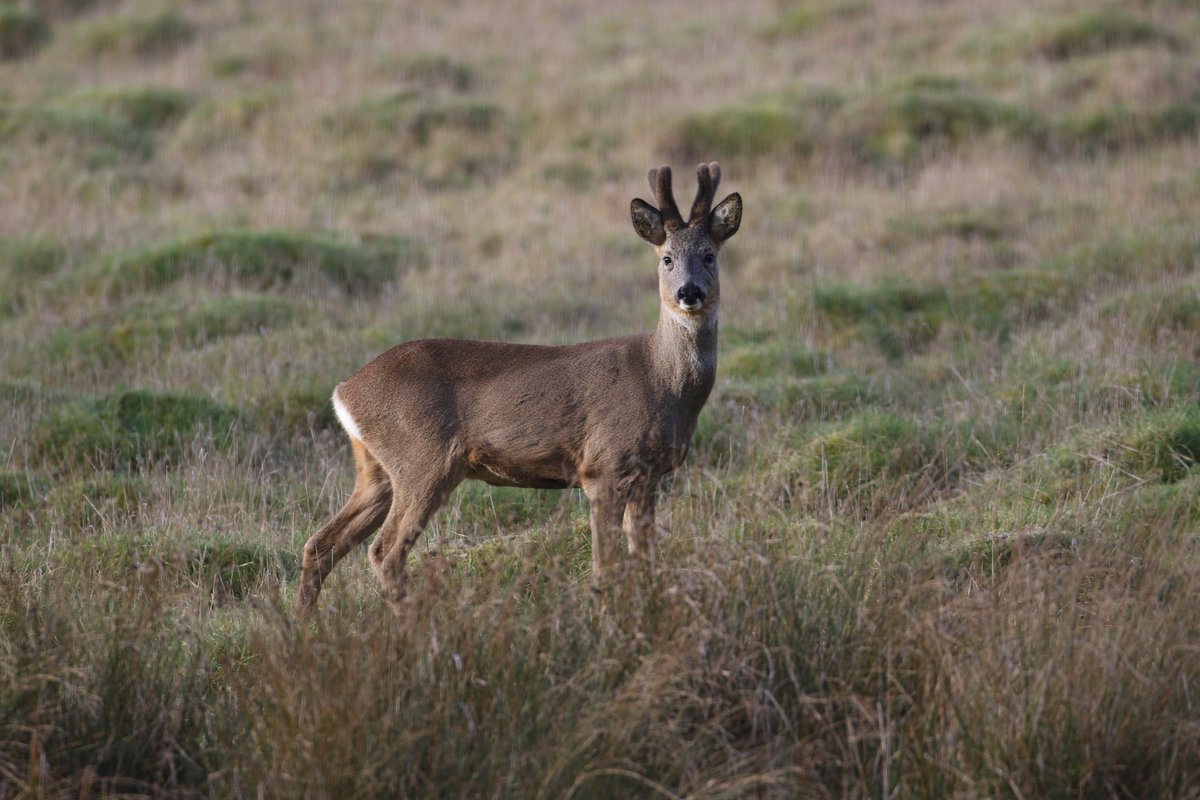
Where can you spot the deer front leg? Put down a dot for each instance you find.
(606, 505)
(640, 534)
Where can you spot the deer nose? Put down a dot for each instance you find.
(690, 297)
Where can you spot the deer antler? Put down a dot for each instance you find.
(660, 184)
(707, 178)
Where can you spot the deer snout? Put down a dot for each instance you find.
(690, 297)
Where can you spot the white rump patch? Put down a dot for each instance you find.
(343, 415)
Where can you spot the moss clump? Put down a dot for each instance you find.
(30, 258)
(1099, 32)
(298, 409)
(790, 126)
(1120, 128)
(445, 141)
(24, 264)
(99, 137)
(231, 569)
(1165, 444)
(256, 260)
(106, 125)
(22, 31)
(128, 331)
(219, 121)
(155, 36)
(768, 360)
(872, 460)
(143, 108)
(120, 430)
(804, 17)
(749, 131)
(436, 71)
(930, 115)
(898, 316)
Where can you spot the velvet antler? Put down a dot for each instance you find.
(660, 183)
(708, 176)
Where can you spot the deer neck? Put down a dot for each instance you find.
(684, 351)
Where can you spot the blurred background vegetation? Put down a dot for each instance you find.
(938, 536)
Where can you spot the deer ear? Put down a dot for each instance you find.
(647, 221)
(726, 218)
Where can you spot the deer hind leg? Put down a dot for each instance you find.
(362, 514)
(640, 533)
(412, 508)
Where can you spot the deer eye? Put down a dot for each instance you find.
(710, 258)
(667, 262)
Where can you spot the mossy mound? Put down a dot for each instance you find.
(126, 428)
(298, 409)
(119, 334)
(894, 126)
(785, 127)
(865, 464)
(1120, 128)
(436, 71)
(1164, 444)
(147, 37)
(445, 141)
(23, 31)
(24, 264)
(104, 126)
(257, 260)
(806, 16)
(1099, 32)
(930, 115)
(899, 316)
(143, 108)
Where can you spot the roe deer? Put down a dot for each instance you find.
(611, 416)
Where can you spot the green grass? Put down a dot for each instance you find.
(140, 329)
(257, 260)
(23, 31)
(1119, 128)
(153, 36)
(128, 428)
(446, 141)
(929, 115)
(143, 108)
(1100, 32)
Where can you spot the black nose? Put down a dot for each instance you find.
(691, 296)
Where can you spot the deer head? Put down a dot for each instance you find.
(688, 280)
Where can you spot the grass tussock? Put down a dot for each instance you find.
(257, 260)
(139, 329)
(128, 428)
(1100, 32)
(149, 37)
(23, 31)
(445, 141)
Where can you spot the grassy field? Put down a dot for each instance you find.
(940, 532)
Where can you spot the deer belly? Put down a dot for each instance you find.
(547, 470)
